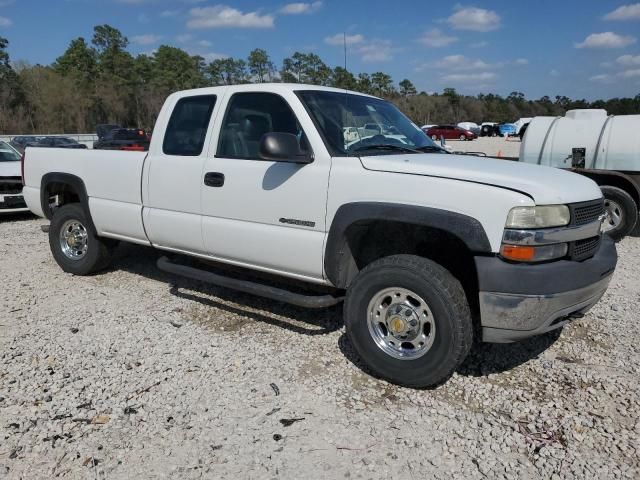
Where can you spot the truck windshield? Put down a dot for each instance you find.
(8, 154)
(356, 124)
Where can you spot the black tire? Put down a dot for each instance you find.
(622, 204)
(434, 137)
(462, 138)
(98, 252)
(447, 301)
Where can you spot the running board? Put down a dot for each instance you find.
(281, 295)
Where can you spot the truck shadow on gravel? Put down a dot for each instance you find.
(141, 260)
(484, 358)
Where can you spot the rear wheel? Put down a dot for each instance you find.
(621, 211)
(408, 319)
(462, 138)
(434, 137)
(75, 244)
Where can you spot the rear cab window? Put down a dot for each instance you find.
(188, 125)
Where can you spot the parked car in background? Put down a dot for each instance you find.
(56, 142)
(20, 142)
(521, 122)
(471, 126)
(11, 199)
(350, 134)
(489, 130)
(450, 132)
(133, 139)
(507, 129)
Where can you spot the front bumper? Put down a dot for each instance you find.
(518, 301)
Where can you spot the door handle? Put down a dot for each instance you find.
(214, 179)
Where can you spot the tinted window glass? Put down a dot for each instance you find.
(249, 117)
(188, 126)
(7, 154)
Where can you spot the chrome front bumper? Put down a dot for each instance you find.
(512, 317)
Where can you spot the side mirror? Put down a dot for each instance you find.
(282, 147)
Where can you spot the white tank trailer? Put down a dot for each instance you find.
(605, 148)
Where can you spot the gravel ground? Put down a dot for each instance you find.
(492, 146)
(134, 374)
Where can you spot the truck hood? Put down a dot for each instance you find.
(10, 169)
(545, 185)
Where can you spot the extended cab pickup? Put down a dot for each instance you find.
(427, 249)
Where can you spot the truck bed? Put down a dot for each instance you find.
(112, 180)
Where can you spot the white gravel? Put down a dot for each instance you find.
(128, 375)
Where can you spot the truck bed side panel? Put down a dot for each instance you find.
(112, 181)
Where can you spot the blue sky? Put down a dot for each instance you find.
(582, 49)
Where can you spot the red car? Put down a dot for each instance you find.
(450, 132)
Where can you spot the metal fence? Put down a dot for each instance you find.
(86, 138)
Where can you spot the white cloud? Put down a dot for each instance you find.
(223, 16)
(169, 13)
(476, 19)
(339, 39)
(628, 60)
(460, 62)
(554, 73)
(147, 39)
(630, 73)
(376, 51)
(211, 56)
(602, 78)
(5, 22)
(606, 40)
(625, 12)
(469, 77)
(300, 7)
(436, 38)
(521, 61)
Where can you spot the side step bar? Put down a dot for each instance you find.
(281, 295)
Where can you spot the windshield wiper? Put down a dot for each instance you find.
(432, 148)
(398, 148)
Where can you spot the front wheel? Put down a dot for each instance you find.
(409, 321)
(75, 244)
(462, 138)
(434, 137)
(621, 211)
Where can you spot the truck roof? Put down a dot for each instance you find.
(267, 87)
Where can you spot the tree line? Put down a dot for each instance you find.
(101, 82)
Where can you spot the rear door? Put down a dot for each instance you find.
(265, 214)
(172, 194)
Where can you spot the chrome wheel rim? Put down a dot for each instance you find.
(614, 215)
(401, 323)
(74, 240)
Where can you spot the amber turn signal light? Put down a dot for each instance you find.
(518, 253)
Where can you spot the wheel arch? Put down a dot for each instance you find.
(70, 187)
(358, 226)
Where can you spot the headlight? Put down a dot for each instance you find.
(542, 216)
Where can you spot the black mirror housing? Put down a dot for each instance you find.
(282, 147)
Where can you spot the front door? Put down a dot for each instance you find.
(265, 214)
(172, 181)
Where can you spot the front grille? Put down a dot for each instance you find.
(10, 185)
(586, 212)
(583, 249)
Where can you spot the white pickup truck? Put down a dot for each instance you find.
(428, 249)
